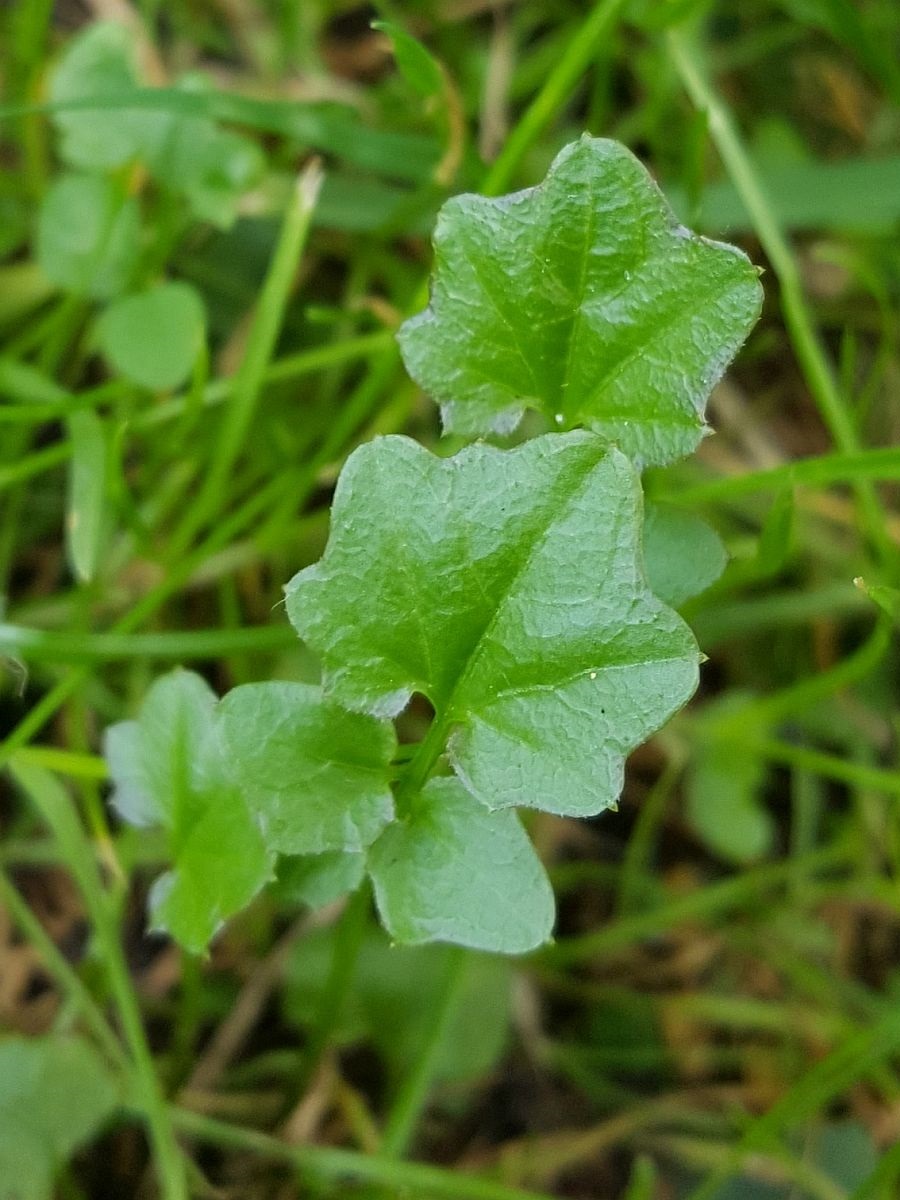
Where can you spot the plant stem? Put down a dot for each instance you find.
(420, 766)
(36, 463)
(292, 366)
(55, 806)
(803, 695)
(20, 386)
(642, 842)
(830, 766)
(64, 762)
(798, 318)
(349, 935)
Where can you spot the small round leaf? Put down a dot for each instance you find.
(153, 338)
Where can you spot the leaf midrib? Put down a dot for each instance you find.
(680, 416)
(539, 536)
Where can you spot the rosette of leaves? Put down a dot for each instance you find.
(509, 587)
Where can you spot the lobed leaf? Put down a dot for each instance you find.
(273, 768)
(453, 872)
(507, 587)
(168, 771)
(316, 777)
(583, 298)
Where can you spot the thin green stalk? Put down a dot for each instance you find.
(347, 421)
(413, 1094)
(38, 645)
(57, 809)
(260, 347)
(828, 469)
(551, 99)
(64, 762)
(292, 366)
(706, 903)
(798, 318)
(35, 464)
(348, 939)
(776, 610)
(92, 807)
(60, 969)
(828, 765)
(643, 837)
(882, 1183)
(807, 692)
(343, 1166)
(22, 386)
(422, 763)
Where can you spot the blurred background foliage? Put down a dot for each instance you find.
(719, 1018)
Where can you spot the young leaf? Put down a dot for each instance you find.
(168, 770)
(724, 793)
(55, 1093)
(393, 998)
(209, 166)
(416, 64)
(724, 805)
(99, 61)
(583, 298)
(683, 556)
(507, 587)
(316, 777)
(454, 872)
(188, 154)
(88, 236)
(153, 338)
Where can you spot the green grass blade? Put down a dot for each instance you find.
(260, 347)
(56, 808)
(87, 493)
(798, 318)
(38, 645)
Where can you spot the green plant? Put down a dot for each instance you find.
(508, 586)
